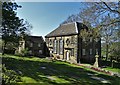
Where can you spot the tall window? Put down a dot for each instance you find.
(61, 46)
(55, 46)
(72, 52)
(50, 42)
(67, 42)
(90, 51)
(72, 39)
(83, 51)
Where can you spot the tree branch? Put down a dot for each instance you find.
(116, 11)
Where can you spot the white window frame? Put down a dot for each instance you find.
(55, 46)
(61, 46)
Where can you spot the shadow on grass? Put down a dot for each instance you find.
(54, 72)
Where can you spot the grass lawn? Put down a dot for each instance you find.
(41, 71)
(113, 69)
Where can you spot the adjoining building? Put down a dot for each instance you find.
(65, 43)
(35, 46)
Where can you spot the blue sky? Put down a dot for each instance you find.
(46, 16)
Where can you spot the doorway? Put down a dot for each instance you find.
(67, 55)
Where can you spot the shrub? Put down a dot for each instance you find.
(23, 52)
(9, 76)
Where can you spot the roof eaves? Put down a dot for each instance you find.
(76, 27)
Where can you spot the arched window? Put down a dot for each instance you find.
(61, 46)
(55, 46)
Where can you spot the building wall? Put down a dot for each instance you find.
(91, 48)
(69, 47)
(35, 46)
(77, 45)
(21, 46)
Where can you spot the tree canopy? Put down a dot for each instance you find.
(102, 17)
(12, 26)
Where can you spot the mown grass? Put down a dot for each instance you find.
(41, 71)
(113, 69)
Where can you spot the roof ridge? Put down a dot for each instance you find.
(71, 23)
(34, 36)
(67, 23)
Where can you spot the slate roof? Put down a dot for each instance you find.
(34, 38)
(66, 29)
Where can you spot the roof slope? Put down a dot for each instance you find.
(34, 38)
(66, 29)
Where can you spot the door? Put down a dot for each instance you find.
(67, 55)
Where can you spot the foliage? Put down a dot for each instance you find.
(115, 54)
(12, 26)
(93, 13)
(23, 53)
(9, 76)
(113, 69)
(93, 33)
(105, 16)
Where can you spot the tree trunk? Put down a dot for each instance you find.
(106, 52)
(3, 52)
(112, 64)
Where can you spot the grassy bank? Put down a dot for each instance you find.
(43, 71)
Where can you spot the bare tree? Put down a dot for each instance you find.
(103, 17)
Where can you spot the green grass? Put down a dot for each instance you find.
(57, 72)
(113, 69)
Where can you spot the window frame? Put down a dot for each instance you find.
(72, 52)
(50, 42)
(61, 47)
(55, 46)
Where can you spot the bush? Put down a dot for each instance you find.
(9, 76)
(24, 52)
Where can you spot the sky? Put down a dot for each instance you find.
(46, 16)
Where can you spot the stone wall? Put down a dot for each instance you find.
(69, 47)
